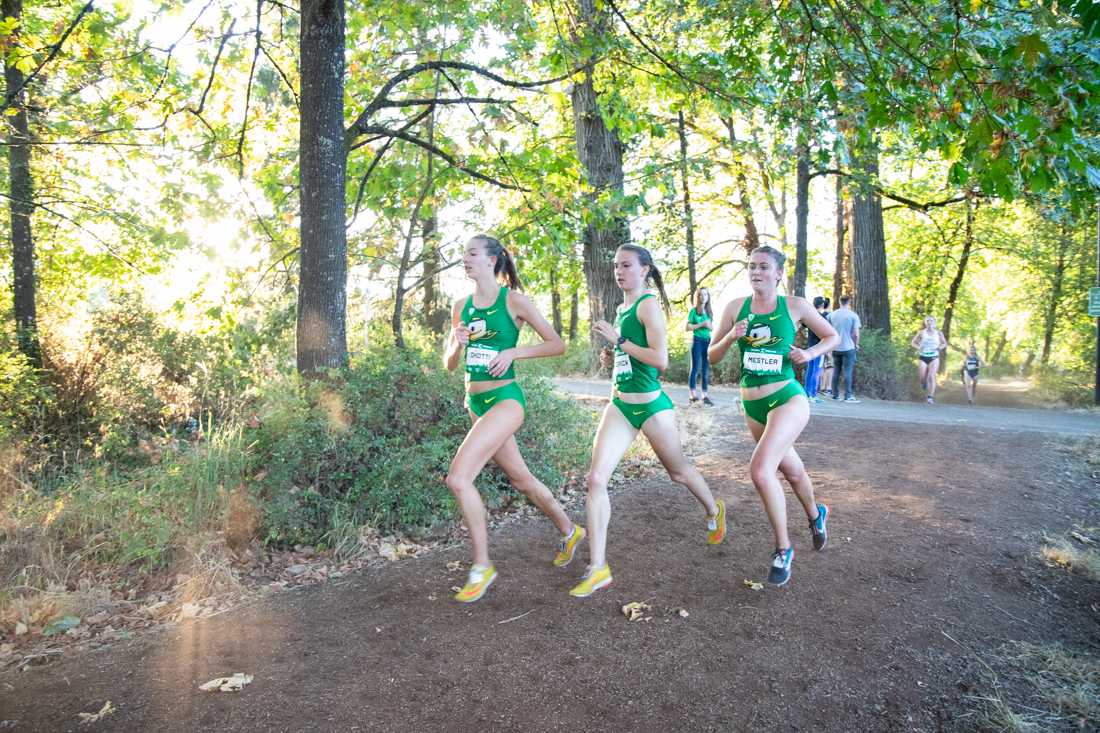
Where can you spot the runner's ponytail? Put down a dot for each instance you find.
(505, 267)
(645, 258)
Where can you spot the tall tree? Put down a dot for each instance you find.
(872, 289)
(601, 153)
(21, 201)
(689, 222)
(802, 216)
(322, 289)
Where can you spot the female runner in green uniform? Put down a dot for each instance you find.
(485, 329)
(776, 409)
(638, 404)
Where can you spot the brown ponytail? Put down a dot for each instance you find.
(645, 258)
(505, 267)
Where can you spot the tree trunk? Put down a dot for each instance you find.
(689, 224)
(797, 284)
(752, 234)
(322, 293)
(21, 186)
(1050, 318)
(601, 153)
(555, 301)
(960, 271)
(840, 268)
(1000, 348)
(574, 316)
(872, 290)
(435, 310)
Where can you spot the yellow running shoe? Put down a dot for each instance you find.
(716, 526)
(569, 546)
(593, 580)
(477, 583)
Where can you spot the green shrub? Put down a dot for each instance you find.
(372, 445)
(1073, 386)
(880, 367)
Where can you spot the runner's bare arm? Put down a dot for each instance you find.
(801, 311)
(520, 306)
(656, 354)
(727, 332)
(460, 336)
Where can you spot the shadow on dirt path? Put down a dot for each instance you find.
(932, 561)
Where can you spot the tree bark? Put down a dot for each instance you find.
(574, 315)
(601, 153)
(802, 218)
(840, 268)
(21, 206)
(1050, 318)
(872, 291)
(960, 271)
(689, 223)
(752, 235)
(1000, 348)
(435, 310)
(555, 301)
(322, 293)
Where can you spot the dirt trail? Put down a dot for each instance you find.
(932, 561)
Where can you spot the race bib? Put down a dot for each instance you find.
(757, 362)
(623, 370)
(478, 358)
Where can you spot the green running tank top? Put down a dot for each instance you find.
(631, 375)
(766, 347)
(492, 330)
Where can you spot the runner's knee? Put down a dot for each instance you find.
(680, 474)
(597, 481)
(761, 471)
(458, 484)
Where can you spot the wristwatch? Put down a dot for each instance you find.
(621, 341)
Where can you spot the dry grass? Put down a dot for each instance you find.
(1054, 689)
(1072, 554)
(242, 519)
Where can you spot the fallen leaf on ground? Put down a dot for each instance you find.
(753, 585)
(454, 566)
(1083, 539)
(683, 613)
(20, 628)
(227, 684)
(89, 718)
(635, 610)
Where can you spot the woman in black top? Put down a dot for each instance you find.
(970, 367)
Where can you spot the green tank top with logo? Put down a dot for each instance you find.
(694, 317)
(631, 375)
(492, 330)
(765, 349)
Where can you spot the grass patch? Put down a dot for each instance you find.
(1053, 689)
(1073, 552)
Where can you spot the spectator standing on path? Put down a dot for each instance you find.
(847, 326)
(813, 367)
(699, 322)
(825, 380)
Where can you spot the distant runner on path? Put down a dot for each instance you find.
(485, 327)
(638, 404)
(928, 342)
(971, 364)
(776, 409)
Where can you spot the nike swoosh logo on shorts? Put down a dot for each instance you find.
(638, 412)
(773, 404)
(489, 399)
(489, 313)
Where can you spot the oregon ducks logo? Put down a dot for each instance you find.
(482, 335)
(760, 335)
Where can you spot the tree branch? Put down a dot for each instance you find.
(407, 137)
(11, 96)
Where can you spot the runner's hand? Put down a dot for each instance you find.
(606, 331)
(799, 356)
(607, 359)
(501, 362)
(461, 334)
(740, 328)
